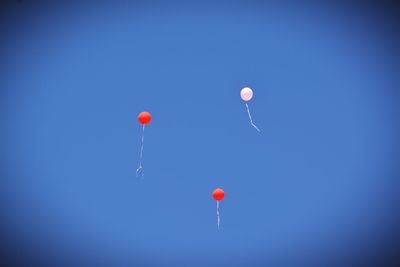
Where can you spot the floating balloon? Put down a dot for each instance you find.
(144, 119)
(218, 195)
(247, 94)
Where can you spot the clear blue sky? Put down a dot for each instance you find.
(317, 186)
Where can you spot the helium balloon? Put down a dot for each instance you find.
(247, 94)
(218, 194)
(144, 119)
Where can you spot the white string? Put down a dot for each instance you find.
(218, 214)
(140, 169)
(251, 121)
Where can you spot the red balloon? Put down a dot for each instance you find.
(218, 194)
(144, 118)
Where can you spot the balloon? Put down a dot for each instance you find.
(144, 118)
(218, 194)
(246, 94)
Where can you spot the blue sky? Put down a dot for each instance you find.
(316, 186)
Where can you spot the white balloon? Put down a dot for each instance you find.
(246, 94)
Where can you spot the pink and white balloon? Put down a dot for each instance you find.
(247, 94)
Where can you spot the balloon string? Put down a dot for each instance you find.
(141, 156)
(251, 120)
(218, 214)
